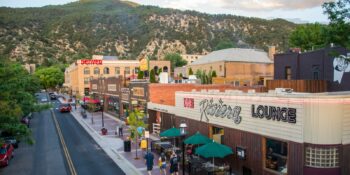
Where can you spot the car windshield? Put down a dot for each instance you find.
(2, 151)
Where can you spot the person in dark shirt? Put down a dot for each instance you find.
(149, 162)
(174, 166)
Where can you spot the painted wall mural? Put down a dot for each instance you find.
(340, 66)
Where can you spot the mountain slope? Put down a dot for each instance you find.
(111, 27)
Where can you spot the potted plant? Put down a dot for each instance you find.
(104, 131)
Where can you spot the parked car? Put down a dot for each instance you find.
(11, 140)
(44, 99)
(65, 107)
(26, 121)
(6, 153)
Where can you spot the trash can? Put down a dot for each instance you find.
(127, 146)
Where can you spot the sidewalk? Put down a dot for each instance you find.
(114, 145)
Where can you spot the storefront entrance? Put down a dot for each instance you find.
(216, 133)
(247, 171)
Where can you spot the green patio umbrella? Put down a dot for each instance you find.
(172, 132)
(213, 149)
(197, 139)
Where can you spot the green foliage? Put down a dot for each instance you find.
(135, 120)
(338, 29)
(50, 77)
(175, 60)
(308, 37)
(17, 99)
(180, 75)
(213, 74)
(152, 77)
(140, 75)
(224, 44)
(190, 71)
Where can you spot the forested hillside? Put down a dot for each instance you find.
(110, 27)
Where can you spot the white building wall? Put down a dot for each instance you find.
(346, 125)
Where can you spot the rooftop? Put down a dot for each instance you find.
(235, 54)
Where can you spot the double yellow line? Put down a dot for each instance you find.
(65, 149)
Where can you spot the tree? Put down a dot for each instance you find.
(308, 37)
(338, 29)
(17, 99)
(213, 74)
(175, 60)
(140, 75)
(224, 44)
(190, 71)
(180, 75)
(152, 77)
(50, 77)
(135, 121)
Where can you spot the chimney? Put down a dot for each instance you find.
(272, 52)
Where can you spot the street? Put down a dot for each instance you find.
(79, 154)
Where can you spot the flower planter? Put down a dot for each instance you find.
(104, 131)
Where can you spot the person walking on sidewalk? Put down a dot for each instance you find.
(149, 162)
(162, 163)
(174, 165)
(121, 129)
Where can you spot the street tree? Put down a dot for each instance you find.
(308, 37)
(224, 44)
(152, 77)
(140, 75)
(338, 13)
(190, 71)
(136, 120)
(175, 60)
(50, 77)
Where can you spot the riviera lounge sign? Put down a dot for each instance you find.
(209, 108)
(275, 113)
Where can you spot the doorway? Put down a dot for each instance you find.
(247, 171)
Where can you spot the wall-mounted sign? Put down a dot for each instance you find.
(275, 113)
(241, 154)
(188, 102)
(88, 62)
(112, 87)
(219, 109)
(138, 91)
(341, 66)
(94, 86)
(125, 90)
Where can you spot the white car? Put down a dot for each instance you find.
(44, 100)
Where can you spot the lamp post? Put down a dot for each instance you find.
(183, 127)
(103, 123)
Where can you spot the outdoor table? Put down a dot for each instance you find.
(214, 169)
(195, 164)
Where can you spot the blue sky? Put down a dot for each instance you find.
(304, 10)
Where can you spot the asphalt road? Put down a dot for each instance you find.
(48, 156)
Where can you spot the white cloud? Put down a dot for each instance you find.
(248, 5)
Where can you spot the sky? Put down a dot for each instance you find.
(295, 10)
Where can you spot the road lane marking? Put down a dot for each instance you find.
(65, 149)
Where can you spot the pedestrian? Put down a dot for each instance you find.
(149, 162)
(117, 129)
(162, 163)
(121, 129)
(174, 165)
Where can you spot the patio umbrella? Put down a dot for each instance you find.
(213, 150)
(172, 132)
(197, 139)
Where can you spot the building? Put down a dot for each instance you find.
(270, 133)
(241, 67)
(190, 58)
(326, 64)
(78, 74)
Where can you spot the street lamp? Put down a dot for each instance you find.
(183, 133)
(103, 123)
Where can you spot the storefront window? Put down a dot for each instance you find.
(127, 70)
(96, 71)
(86, 80)
(321, 157)
(276, 155)
(106, 70)
(117, 70)
(113, 105)
(217, 134)
(86, 71)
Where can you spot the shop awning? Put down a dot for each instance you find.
(89, 100)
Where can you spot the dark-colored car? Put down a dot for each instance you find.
(53, 97)
(6, 153)
(65, 108)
